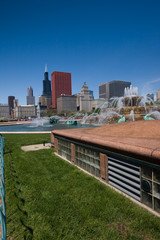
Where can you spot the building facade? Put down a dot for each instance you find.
(97, 103)
(25, 111)
(46, 84)
(115, 88)
(104, 90)
(45, 100)
(30, 97)
(4, 111)
(66, 103)
(15, 103)
(61, 84)
(84, 99)
(11, 104)
(158, 95)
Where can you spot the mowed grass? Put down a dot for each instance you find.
(47, 198)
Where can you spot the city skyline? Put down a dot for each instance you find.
(97, 41)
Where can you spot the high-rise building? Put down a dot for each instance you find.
(104, 90)
(30, 97)
(115, 88)
(61, 84)
(11, 103)
(45, 100)
(46, 84)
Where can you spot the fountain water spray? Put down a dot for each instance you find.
(133, 106)
(130, 91)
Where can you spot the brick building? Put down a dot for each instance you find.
(61, 84)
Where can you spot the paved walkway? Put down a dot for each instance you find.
(36, 147)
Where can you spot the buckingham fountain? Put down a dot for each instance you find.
(130, 107)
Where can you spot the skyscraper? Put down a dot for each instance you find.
(61, 84)
(30, 97)
(11, 103)
(46, 84)
(45, 99)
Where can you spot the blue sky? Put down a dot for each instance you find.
(95, 40)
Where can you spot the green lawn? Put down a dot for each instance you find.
(47, 198)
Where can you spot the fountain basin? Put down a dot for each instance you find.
(147, 117)
(38, 128)
(71, 122)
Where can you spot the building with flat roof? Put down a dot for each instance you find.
(61, 84)
(11, 104)
(30, 97)
(66, 103)
(115, 88)
(4, 111)
(104, 90)
(25, 111)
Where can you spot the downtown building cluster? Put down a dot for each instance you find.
(57, 95)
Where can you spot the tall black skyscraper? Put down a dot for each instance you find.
(46, 84)
(45, 100)
(11, 103)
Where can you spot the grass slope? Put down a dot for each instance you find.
(47, 198)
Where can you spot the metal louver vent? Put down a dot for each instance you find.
(125, 176)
